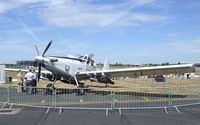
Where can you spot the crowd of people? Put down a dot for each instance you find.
(28, 82)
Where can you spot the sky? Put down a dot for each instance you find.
(122, 31)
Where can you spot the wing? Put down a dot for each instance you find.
(25, 70)
(140, 71)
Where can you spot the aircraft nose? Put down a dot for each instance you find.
(42, 59)
(39, 58)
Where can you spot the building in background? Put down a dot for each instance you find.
(26, 64)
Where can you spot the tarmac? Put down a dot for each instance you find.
(38, 116)
(24, 115)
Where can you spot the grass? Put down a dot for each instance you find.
(180, 86)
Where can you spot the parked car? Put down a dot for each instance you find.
(160, 78)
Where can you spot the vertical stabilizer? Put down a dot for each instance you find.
(106, 65)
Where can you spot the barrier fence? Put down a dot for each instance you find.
(85, 98)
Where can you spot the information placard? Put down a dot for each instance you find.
(2, 73)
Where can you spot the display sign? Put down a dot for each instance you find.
(2, 73)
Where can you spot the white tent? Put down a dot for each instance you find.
(2, 73)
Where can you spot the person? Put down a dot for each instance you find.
(34, 83)
(20, 80)
(29, 81)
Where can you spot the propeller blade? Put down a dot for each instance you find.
(36, 48)
(39, 71)
(47, 48)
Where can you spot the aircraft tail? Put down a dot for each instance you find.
(106, 65)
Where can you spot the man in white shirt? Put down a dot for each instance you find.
(29, 79)
(34, 82)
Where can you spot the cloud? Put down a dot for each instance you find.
(67, 13)
(8, 5)
(185, 46)
(171, 51)
(13, 45)
(167, 51)
(4, 6)
(139, 18)
(28, 30)
(15, 49)
(67, 46)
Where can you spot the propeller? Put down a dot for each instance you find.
(40, 64)
(38, 53)
(49, 44)
(39, 71)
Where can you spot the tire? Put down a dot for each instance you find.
(49, 89)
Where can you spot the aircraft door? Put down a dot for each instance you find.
(67, 68)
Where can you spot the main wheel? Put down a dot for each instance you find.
(49, 89)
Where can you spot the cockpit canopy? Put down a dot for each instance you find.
(85, 58)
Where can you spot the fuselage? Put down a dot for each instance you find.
(67, 67)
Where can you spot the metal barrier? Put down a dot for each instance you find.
(187, 96)
(41, 98)
(4, 94)
(84, 98)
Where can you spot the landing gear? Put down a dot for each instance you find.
(76, 81)
(50, 88)
(105, 80)
(107, 86)
(79, 84)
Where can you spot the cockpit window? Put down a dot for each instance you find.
(92, 63)
(85, 57)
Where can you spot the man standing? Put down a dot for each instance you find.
(20, 81)
(29, 81)
(34, 83)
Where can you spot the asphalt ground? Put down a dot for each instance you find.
(21, 115)
(37, 116)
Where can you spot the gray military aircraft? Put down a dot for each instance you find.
(74, 69)
(70, 68)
